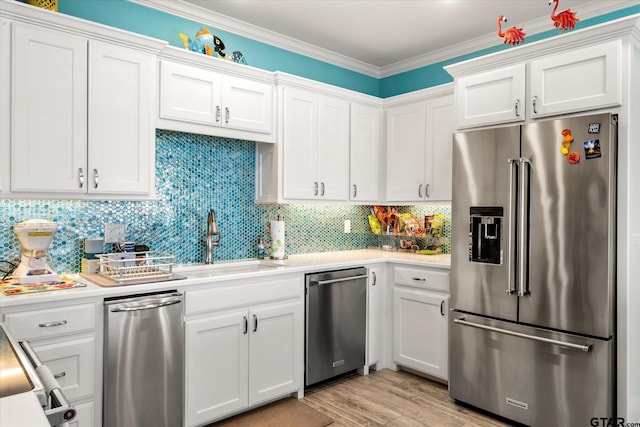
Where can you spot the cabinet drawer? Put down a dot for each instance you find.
(420, 278)
(51, 322)
(238, 295)
(85, 415)
(72, 364)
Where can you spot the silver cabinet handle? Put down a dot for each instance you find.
(226, 115)
(60, 375)
(375, 278)
(246, 325)
(442, 308)
(420, 191)
(344, 279)
(315, 188)
(217, 114)
(535, 105)
(463, 321)
(355, 191)
(255, 323)
(150, 306)
(523, 286)
(427, 190)
(322, 188)
(516, 107)
(419, 279)
(512, 253)
(52, 324)
(80, 177)
(95, 178)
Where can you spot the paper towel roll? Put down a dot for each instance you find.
(277, 239)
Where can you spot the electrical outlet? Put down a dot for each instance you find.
(347, 226)
(114, 233)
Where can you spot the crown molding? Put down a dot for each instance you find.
(226, 23)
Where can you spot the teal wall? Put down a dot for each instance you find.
(150, 22)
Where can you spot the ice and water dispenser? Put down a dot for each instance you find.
(485, 234)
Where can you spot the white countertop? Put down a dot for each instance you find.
(22, 410)
(231, 270)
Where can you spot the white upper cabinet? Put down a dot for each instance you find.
(406, 147)
(202, 98)
(577, 80)
(562, 75)
(48, 110)
(441, 124)
(315, 145)
(364, 156)
(418, 153)
(121, 157)
(81, 112)
(497, 96)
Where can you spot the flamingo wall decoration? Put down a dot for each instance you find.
(512, 36)
(565, 20)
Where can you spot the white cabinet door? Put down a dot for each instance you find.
(48, 110)
(85, 415)
(300, 136)
(577, 80)
(248, 105)
(216, 374)
(190, 94)
(420, 330)
(365, 153)
(374, 302)
(276, 344)
(333, 148)
(496, 96)
(406, 128)
(440, 127)
(122, 88)
(72, 363)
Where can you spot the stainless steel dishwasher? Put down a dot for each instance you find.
(143, 369)
(336, 313)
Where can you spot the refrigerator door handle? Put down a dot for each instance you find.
(585, 347)
(523, 286)
(510, 286)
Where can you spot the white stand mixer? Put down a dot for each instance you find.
(35, 237)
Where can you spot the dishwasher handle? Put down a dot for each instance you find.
(343, 279)
(146, 304)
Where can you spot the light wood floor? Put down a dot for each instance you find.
(394, 399)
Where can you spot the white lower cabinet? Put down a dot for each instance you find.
(420, 305)
(374, 315)
(66, 340)
(246, 354)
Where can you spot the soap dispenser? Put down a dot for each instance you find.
(260, 248)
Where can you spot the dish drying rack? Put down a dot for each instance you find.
(127, 267)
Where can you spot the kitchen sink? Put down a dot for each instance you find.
(226, 268)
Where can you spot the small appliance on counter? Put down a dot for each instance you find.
(35, 237)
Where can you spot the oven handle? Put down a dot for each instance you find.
(585, 348)
(60, 410)
(344, 279)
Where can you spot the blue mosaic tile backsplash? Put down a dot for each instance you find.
(195, 173)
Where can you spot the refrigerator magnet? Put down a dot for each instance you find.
(573, 157)
(567, 139)
(594, 128)
(592, 149)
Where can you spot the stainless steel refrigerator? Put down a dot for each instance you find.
(533, 266)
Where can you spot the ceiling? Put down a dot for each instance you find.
(378, 37)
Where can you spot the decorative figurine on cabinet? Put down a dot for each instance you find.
(512, 36)
(565, 20)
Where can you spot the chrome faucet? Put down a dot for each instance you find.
(212, 230)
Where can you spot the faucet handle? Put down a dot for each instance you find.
(212, 226)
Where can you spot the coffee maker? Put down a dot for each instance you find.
(35, 237)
